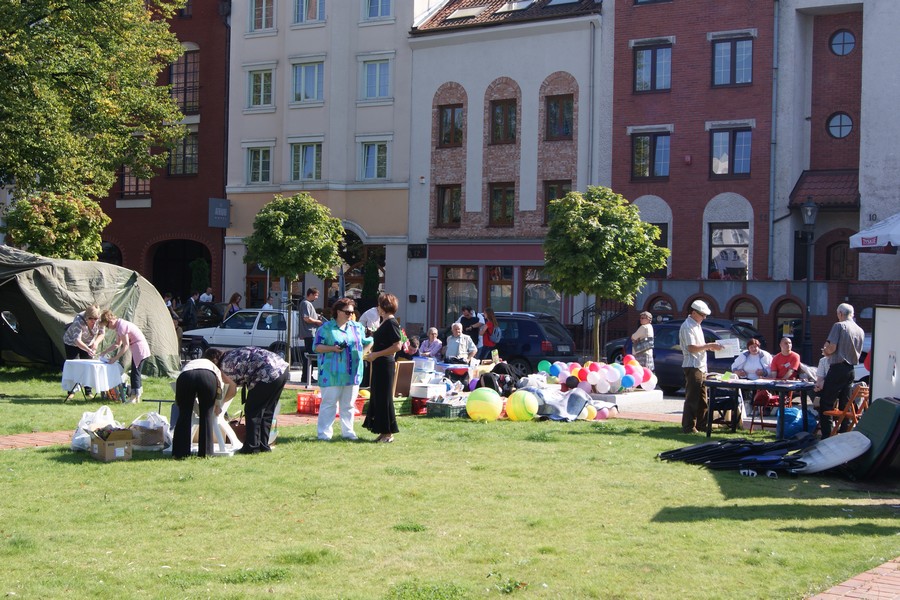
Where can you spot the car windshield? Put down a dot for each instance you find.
(556, 332)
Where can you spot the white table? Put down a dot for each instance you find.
(95, 374)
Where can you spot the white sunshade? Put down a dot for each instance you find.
(879, 236)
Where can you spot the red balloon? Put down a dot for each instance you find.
(582, 374)
(627, 358)
(594, 367)
(647, 375)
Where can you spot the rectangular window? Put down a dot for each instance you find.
(500, 287)
(308, 82)
(306, 162)
(729, 250)
(377, 76)
(552, 191)
(260, 88)
(262, 14)
(560, 116)
(730, 153)
(538, 295)
(460, 289)
(503, 202)
(374, 160)
(259, 165)
(187, 11)
(184, 77)
(650, 155)
(184, 157)
(378, 9)
(652, 68)
(733, 62)
(503, 121)
(449, 205)
(309, 11)
(450, 128)
(131, 186)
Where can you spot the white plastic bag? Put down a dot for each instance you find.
(151, 432)
(103, 416)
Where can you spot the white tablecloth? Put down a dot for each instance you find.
(94, 374)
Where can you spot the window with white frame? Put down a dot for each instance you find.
(376, 79)
(262, 14)
(377, 9)
(306, 161)
(259, 165)
(309, 11)
(373, 160)
(308, 81)
(260, 88)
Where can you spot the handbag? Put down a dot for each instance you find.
(643, 345)
(239, 427)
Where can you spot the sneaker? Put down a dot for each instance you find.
(351, 438)
(323, 438)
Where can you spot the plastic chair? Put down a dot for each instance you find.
(760, 402)
(221, 429)
(722, 400)
(856, 406)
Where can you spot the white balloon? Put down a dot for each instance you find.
(594, 377)
(650, 384)
(602, 386)
(611, 374)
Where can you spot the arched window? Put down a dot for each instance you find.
(662, 310)
(746, 312)
(110, 253)
(788, 321)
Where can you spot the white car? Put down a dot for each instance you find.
(860, 372)
(249, 327)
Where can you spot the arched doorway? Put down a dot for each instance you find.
(110, 253)
(172, 270)
(788, 322)
(361, 263)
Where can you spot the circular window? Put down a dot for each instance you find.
(840, 125)
(843, 42)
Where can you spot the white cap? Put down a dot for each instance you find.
(701, 307)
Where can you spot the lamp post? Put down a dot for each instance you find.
(809, 210)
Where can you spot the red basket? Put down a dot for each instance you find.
(419, 406)
(308, 404)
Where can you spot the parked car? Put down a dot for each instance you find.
(248, 327)
(667, 356)
(530, 337)
(210, 314)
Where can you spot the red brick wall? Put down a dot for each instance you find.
(448, 165)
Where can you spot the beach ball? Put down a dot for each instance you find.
(484, 404)
(544, 366)
(628, 381)
(602, 414)
(591, 412)
(364, 394)
(522, 405)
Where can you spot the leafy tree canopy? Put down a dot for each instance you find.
(56, 225)
(78, 93)
(295, 235)
(597, 244)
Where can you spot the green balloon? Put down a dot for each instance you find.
(544, 366)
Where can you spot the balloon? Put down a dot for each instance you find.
(650, 384)
(591, 412)
(484, 404)
(583, 415)
(473, 383)
(628, 381)
(620, 369)
(521, 406)
(573, 366)
(572, 381)
(554, 370)
(544, 366)
(584, 385)
(602, 386)
(582, 374)
(611, 374)
(595, 367)
(647, 375)
(627, 358)
(638, 374)
(574, 372)
(602, 414)
(629, 369)
(593, 378)
(552, 379)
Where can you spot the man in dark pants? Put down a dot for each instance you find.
(842, 347)
(694, 347)
(309, 322)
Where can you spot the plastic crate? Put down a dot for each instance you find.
(441, 410)
(308, 404)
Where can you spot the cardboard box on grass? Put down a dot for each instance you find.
(118, 446)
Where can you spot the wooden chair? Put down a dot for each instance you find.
(852, 410)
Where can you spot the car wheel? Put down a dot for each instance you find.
(616, 356)
(197, 350)
(520, 367)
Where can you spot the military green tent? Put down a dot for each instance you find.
(45, 294)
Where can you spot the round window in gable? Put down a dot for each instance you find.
(843, 42)
(840, 125)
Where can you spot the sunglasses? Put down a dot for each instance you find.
(347, 312)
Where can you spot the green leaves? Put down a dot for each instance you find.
(295, 235)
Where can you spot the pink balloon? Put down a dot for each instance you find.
(602, 414)
(627, 358)
(573, 366)
(647, 375)
(584, 385)
(629, 369)
(638, 374)
(594, 367)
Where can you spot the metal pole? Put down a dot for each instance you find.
(807, 334)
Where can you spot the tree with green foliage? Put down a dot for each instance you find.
(56, 225)
(79, 95)
(597, 244)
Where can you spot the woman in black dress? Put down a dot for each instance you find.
(380, 417)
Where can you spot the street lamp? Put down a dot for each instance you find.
(809, 210)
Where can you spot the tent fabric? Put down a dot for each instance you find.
(881, 235)
(45, 294)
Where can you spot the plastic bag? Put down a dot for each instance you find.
(103, 416)
(151, 432)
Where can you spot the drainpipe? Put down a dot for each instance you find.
(773, 143)
(591, 77)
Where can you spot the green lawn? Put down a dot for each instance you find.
(452, 509)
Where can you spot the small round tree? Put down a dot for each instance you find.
(597, 244)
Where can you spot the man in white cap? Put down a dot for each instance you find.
(694, 347)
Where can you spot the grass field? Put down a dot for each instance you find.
(452, 509)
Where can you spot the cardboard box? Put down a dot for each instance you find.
(117, 446)
(427, 390)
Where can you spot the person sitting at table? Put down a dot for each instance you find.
(460, 348)
(431, 347)
(753, 362)
(203, 381)
(409, 349)
(82, 337)
(128, 337)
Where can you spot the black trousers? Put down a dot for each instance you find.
(836, 389)
(199, 384)
(259, 412)
(307, 349)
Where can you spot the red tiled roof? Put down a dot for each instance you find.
(837, 188)
(538, 10)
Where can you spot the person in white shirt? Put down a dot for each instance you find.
(694, 348)
(370, 319)
(268, 304)
(207, 296)
(753, 363)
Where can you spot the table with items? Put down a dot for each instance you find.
(779, 386)
(96, 374)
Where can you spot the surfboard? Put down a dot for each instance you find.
(833, 451)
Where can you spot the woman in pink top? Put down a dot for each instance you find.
(128, 337)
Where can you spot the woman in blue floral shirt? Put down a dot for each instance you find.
(340, 344)
(263, 375)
